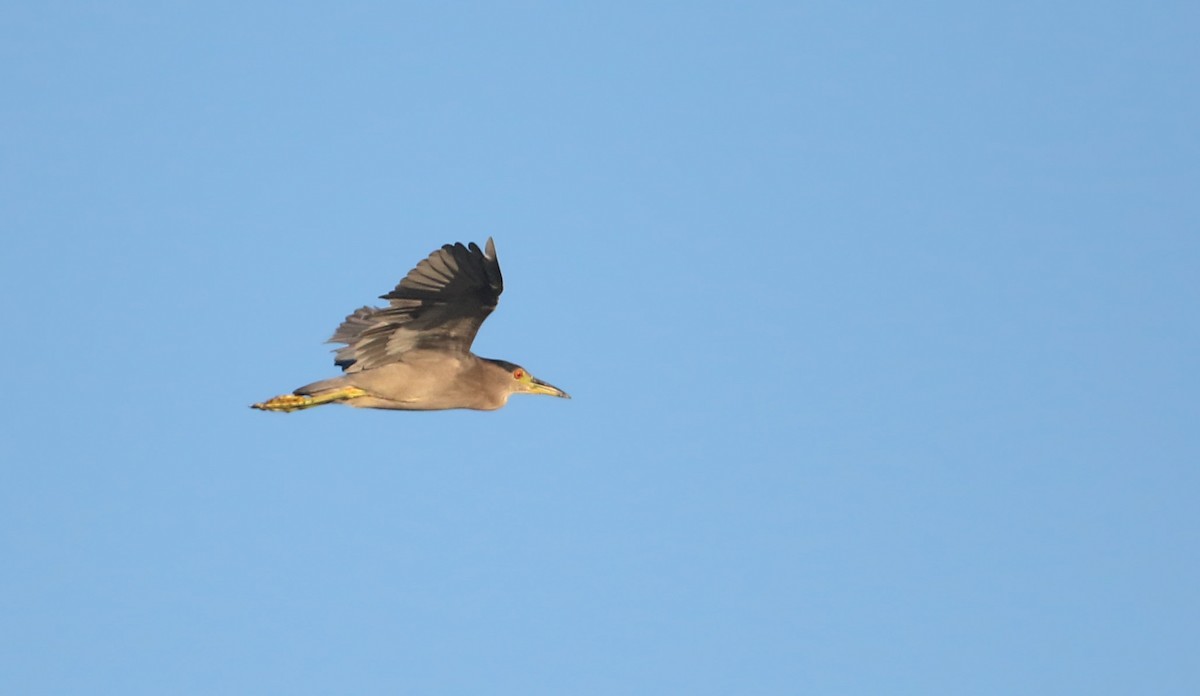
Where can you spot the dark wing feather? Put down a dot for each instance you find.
(439, 305)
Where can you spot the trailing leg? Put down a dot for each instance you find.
(296, 402)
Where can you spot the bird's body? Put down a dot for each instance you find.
(414, 355)
(430, 384)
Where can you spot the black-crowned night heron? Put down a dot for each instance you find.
(415, 354)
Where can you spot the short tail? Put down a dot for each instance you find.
(287, 403)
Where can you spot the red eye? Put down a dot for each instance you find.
(519, 374)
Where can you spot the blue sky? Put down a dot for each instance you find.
(880, 321)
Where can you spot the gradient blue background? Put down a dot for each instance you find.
(880, 319)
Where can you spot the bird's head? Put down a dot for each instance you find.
(521, 382)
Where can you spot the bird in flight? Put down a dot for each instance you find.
(415, 354)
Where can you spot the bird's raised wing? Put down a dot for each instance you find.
(439, 305)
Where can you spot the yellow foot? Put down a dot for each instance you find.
(285, 403)
(295, 402)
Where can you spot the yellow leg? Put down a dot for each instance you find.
(295, 402)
